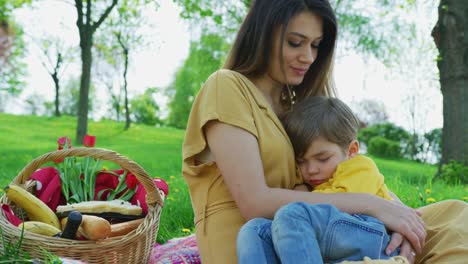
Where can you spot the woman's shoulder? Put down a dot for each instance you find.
(226, 77)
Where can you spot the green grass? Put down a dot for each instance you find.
(413, 182)
(158, 151)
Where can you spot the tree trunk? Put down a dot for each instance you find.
(127, 111)
(86, 58)
(451, 37)
(57, 91)
(86, 28)
(116, 106)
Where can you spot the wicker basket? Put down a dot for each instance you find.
(134, 247)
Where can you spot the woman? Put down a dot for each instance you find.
(237, 159)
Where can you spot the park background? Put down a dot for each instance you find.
(150, 58)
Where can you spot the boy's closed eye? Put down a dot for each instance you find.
(323, 159)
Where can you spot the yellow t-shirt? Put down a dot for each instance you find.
(357, 175)
(231, 98)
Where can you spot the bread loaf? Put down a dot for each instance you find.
(124, 228)
(115, 206)
(92, 227)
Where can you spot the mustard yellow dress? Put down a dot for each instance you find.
(231, 98)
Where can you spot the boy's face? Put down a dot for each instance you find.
(321, 159)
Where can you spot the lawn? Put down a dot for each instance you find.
(158, 151)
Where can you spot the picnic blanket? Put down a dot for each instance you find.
(181, 250)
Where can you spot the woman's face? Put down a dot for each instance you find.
(300, 49)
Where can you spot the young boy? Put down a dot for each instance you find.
(323, 132)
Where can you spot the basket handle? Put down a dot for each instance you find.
(153, 196)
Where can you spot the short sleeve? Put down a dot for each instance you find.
(224, 97)
(359, 174)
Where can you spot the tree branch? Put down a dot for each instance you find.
(104, 15)
(79, 10)
(88, 13)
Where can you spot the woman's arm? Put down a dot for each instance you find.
(397, 240)
(237, 155)
(394, 197)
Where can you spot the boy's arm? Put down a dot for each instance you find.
(302, 188)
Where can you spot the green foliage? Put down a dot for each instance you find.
(144, 108)
(385, 148)
(222, 17)
(370, 27)
(205, 57)
(7, 7)
(424, 148)
(434, 142)
(12, 67)
(454, 173)
(387, 130)
(12, 252)
(421, 148)
(413, 146)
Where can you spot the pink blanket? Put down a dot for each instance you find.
(176, 251)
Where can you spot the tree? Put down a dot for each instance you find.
(145, 110)
(222, 17)
(6, 41)
(12, 49)
(371, 112)
(451, 38)
(126, 28)
(87, 25)
(107, 71)
(55, 57)
(204, 58)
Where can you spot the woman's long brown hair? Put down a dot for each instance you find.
(252, 48)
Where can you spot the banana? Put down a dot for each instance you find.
(39, 228)
(34, 208)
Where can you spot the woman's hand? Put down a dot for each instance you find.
(404, 220)
(406, 249)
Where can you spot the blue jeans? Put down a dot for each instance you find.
(305, 233)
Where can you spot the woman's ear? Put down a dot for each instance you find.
(353, 148)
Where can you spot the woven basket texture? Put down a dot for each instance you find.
(135, 247)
